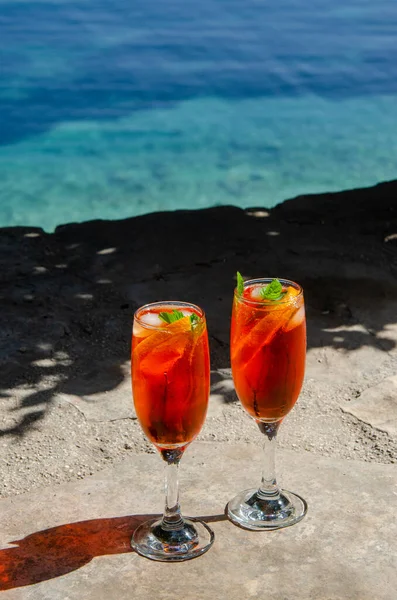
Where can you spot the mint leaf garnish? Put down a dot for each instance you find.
(240, 284)
(171, 317)
(176, 315)
(273, 291)
(193, 319)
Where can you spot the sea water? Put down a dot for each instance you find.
(115, 108)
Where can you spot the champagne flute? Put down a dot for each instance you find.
(268, 350)
(170, 381)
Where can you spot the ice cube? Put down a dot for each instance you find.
(296, 319)
(255, 292)
(138, 330)
(152, 319)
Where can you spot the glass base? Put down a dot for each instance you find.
(252, 510)
(152, 541)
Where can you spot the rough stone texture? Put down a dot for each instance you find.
(377, 406)
(108, 404)
(72, 542)
(67, 301)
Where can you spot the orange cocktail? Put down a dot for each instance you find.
(268, 349)
(170, 375)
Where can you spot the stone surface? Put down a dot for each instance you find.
(67, 301)
(377, 406)
(108, 405)
(72, 542)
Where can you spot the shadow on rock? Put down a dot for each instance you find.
(68, 298)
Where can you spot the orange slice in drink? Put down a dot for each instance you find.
(260, 334)
(158, 337)
(273, 316)
(161, 358)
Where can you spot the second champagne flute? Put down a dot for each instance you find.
(268, 351)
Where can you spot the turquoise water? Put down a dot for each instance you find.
(109, 110)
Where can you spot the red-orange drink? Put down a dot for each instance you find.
(268, 349)
(170, 374)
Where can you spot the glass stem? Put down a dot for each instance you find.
(172, 518)
(269, 489)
